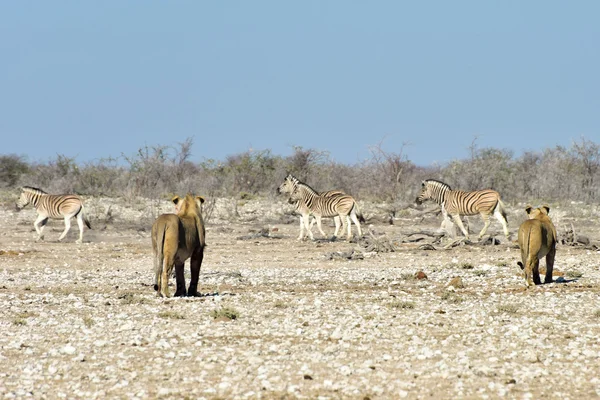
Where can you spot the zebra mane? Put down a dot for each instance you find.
(32, 189)
(297, 182)
(292, 179)
(437, 183)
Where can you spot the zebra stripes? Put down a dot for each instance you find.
(302, 209)
(330, 204)
(54, 206)
(457, 202)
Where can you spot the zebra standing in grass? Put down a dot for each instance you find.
(54, 206)
(456, 203)
(310, 202)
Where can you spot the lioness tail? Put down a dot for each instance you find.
(159, 261)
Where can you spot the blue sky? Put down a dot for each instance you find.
(96, 79)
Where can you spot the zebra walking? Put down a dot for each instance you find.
(457, 202)
(311, 202)
(302, 209)
(54, 206)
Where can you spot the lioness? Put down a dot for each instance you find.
(175, 238)
(537, 238)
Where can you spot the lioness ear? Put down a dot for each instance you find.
(528, 208)
(200, 198)
(175, 199)
(545, 209)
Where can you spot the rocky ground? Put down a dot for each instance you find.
(382, 318)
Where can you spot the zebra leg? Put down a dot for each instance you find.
(67, 227)
(319, 226)
(305, 218)
(349, 227)
(486, 224)
(338, 222)
(502, 220)
(39, 224)
(301, 229)
(357, 223)
(458, 221)
(80, 224)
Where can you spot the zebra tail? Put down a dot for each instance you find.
(359, 214)
(85, 219)
(500, 207)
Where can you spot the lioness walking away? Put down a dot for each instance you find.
(537, 239)
(175, 238)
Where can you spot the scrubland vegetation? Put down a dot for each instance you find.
(549, 174)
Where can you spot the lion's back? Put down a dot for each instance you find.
(537, 235)
(166, 227)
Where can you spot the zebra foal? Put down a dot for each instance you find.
(53, 206)
(331, 204)
(457, 202)
(302, 209)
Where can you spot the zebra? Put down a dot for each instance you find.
(54, 206)
(302, 209)
(457, 202)
(310, 202)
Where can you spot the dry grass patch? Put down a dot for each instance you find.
(508, 308)
(171, 315)
(402, 305)
(408, 276)
(132, 298)
(88, 321)
(225, 313)
(575, 274)
(452, 297)
(281, 304)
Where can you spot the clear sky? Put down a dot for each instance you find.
(92, 79)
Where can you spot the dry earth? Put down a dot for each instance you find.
(312, 319)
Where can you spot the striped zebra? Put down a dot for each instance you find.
(54, 206)
(309, 202)
(457, 202)
(302, 209)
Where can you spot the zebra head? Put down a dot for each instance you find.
(23, 200)
(28, 195)
(432, 189)
(289, 185)
(296, 195)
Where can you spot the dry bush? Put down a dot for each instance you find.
(12, 167)
(156, 172)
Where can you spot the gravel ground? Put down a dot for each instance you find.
(287, 319)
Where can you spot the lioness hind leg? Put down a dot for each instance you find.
(531, 270)
(195, 264)
(549, 265)
(536, 272)
(164, 280)
(180, 280)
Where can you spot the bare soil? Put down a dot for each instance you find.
(282, 318)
